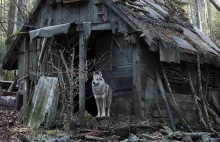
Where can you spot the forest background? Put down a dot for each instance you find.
(204, 14)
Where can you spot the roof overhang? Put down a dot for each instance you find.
(49, 31)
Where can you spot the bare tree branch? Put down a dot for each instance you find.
(215, 5)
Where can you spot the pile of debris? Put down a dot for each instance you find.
(117, 129)
(122, 129)
(124, 134)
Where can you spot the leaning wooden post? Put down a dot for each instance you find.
(26, 80)
(201, 95)
(162, 92)
(173, 102)
(196, 100)
(83, 38)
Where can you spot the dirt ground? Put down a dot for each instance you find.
(115, 128)
(9, 128)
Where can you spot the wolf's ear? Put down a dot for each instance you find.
(100, 73)
(93, 73)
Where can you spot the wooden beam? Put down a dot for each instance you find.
(83, 39)
(215, 5)
(26, 81)
(96, 26)
(112, 5)
(136, 81)
(133, 22)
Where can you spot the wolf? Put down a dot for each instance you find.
(102, 93)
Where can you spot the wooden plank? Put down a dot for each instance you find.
(44, 15)
(182, 98)
(97, 26)
(192, 115)
(183, 106)
(122, 106)
(72, 1)
(71, 13)
(187, 106)
(110, 4)
(157, 114)
(150, 89)
(33, 57)
(122, 84)
(136, 82)
(120, 62)
(103, 51)
(84, 13)
(82, 64)
(58, 15)
(102, 26)
(124, 94)
(83, 37)
(26, 81)
(20, 66)
(122, 71)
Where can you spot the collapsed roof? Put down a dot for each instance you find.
(164, 24)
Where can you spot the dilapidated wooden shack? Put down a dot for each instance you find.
(144, 48)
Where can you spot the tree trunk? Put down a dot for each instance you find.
(196, 9)
(20, 13)
(209, 19)
(11, 18)
(191, 11)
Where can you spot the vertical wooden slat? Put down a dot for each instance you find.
(82, 60)
(26, 81)
(83, 37)
(136, 81)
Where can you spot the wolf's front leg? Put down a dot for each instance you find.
(98, 107)
(108, 113)
(103, 107)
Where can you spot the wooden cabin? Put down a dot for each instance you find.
(133, 39)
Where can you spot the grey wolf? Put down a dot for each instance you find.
(102, 93)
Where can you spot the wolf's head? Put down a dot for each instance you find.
(97, 79)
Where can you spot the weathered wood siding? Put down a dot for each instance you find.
(150, 95)
(21, 60)
(148, 62)
(66, 13)
(116, 68)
